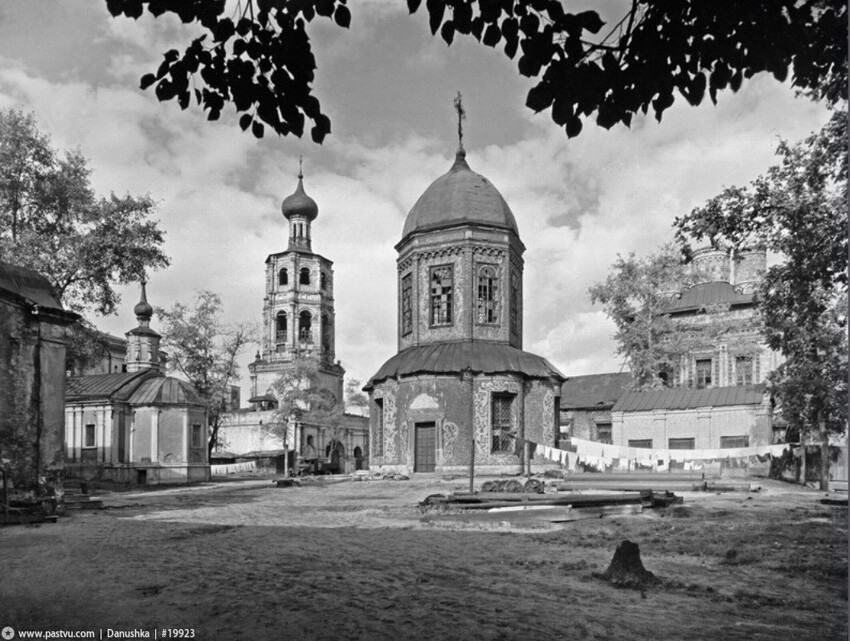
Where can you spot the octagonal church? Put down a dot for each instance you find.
(461, 391)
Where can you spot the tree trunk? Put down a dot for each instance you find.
(824, 454)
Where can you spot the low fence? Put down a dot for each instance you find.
(233, 468)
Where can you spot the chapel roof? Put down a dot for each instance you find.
(165, 390)
(299, 203)
(460, 196)
(478, 357)
(114, 385)
(681, 398)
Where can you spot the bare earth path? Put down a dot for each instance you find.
(353, 560)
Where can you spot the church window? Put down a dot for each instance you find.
(743, 370)
(283, 277)
(515, 302)
(323, 280)
(305, 331)
(703, 372)
(487, 283)
(406, 304)
(641, 443)
(304, 278)
(604, 433)
(441, 295)
(88, 440)
(196, 435)
(501, 423)
(280, 327)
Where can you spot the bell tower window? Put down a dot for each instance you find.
(323, 281)
(283, 277)
(441, 295)
(280, 329)
(304, 276)
(514, 302)
(305, 330)
(487, 283)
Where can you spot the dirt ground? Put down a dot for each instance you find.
(355, 560)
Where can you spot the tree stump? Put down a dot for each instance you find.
(626, 569)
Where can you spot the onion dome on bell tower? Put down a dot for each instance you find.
(142, 341)
(300, 210)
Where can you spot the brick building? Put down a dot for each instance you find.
(33, 340)
(460, 378)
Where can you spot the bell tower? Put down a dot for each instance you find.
(298, 307)
(143, 342)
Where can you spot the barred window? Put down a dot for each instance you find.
(501, 423)
(441, 295)
(487, 283)
(643, 443)
(406, 304)
(743, 370)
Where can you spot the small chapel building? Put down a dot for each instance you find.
(136, 425)
(461, 391)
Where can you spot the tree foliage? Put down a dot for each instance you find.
(259, 57)
(205, 351)
(797, 209)
(52, 221)
(635, 295)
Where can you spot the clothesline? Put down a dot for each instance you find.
(602, 455)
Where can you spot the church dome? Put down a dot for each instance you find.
(143, 309)
(299, 203)
(458, 197)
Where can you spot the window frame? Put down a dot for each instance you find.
(748, 368)
(304, 276)
(197, 443)
(487, 283)
(743, 438)
(505, 430)
(640, 443)
(282, 277)
(443, 299)
(674, 443)
(407, 304)
(703, 382)
(86, 444)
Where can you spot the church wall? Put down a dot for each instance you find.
(171, 439)
(448, 401)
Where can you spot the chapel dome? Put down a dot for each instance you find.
(143, 309)
(299, 203)
(457, 197)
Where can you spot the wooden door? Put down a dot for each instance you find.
(425, 452)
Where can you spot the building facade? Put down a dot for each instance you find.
(460, 391)
(33, 340)
(137, 425)
(717, 396)
(299, 327)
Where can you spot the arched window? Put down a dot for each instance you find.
(283, 277)
(323, 280)
(304, 278)
(280, 328)
(487, 283)
(305, 331)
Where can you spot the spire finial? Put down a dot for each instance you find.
(300, 167)
(461, 116)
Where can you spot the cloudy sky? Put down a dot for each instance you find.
(388, 87)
